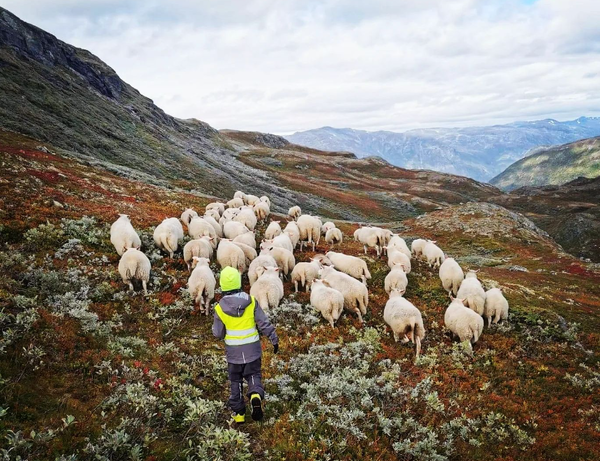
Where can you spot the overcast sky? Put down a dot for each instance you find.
(285, 65)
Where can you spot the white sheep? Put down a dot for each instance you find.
(265, 199)
(285, 258)
(385, 236)
(251, 200)
(328, 301)
(398, 258)
(268, 289)
(463, 322)
(396, 280)
(282, 241)
(262, 260)
(239, 194)
(123, 235)
(229, 214)
(213, 213)
(294, 233)
(398, 243)
(451, 275)
(232, 229)
(295, 212)
(404, 319)
(323, 260)
(351, 265)
(472, 292)
(168, 234)
(305, 273)
(325, 227)
(249, 252)
(369, 237)
(310, 230)
(248, 238)
(433, 254)
(496, 306)
(229, 254)
(235, 203)
(262, 211)
(247, 217)
(356, 295)
(201, 284)
(187, 216)
(273, 230)
(218, 206)
(202, 248)
(199, 227)
(334, 236)
(216, 226)
(135, 265)
(417, 247)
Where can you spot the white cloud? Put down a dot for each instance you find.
(282, 66)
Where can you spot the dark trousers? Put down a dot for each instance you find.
(251, 373)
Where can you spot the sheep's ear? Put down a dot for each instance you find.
(402, 291)
(195, 258)
(326, 283)
(277, 269)
(125, 249)
(452, 297)
(138, 247)
(463, 301)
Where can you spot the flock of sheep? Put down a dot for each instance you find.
(336, 280)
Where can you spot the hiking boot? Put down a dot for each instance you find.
(257, 410)
(239, 418)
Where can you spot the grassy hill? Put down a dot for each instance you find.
(90, 371)
(553, 166)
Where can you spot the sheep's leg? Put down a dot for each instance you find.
(418, 342)
(396, 336)
(144, 287)
(130, 285)
(365, 246)
(405, 339)
(296, 285)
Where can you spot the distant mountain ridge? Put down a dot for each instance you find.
(476, 152)
(553, 166)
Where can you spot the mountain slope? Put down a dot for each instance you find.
(477, 152)
(555, 165)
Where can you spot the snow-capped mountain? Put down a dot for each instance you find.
(476, 152)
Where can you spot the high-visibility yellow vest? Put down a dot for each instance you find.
(239, 330)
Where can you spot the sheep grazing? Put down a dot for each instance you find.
(218, 206)
(213, 214)
(247, 217)
(281, 241)
(369, 237)
(356, 295)
(232, 229)
(334, 236)
(496, 306)
(201, 284)
(305, 273)
(249, 252)
(262, 211)
(199, 227)
(168, 234)
(328, 301)
(417, 247)
(268, 289)
(385, 235)
(351, 265)
(273, 230)
(310, 230)
(264, 261)
(398, 258)
(404, 319)
(293, 232)
(187, 216)
(216, 226)
(201, 248)
(229, 254)
(327, 226)
(434, 254)
(285, 258)
(472, 292)
(235, 203)
(451, 275)
(251, 200)
(135, 265)
(229, 214)
(239, 194)
(123, 235)
(323, 260)
(463, 322)
(265, 199)
(295, 212)
(398, 243)
(396, 280)
(247, 238)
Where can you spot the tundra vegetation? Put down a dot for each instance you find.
(89, 370)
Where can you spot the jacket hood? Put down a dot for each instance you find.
(235, 304)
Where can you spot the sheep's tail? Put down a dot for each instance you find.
(476, 333)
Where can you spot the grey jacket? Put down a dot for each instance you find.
(235, 305)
